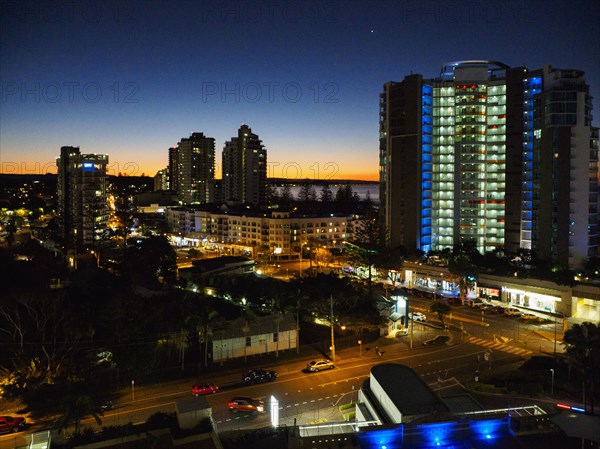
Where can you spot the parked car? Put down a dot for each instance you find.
(497, 309)
(512, 311)
(531, 317)
(401, 332)
(245, 404)
(319, 365)
(417, 316)
(11, 424)
(486, 307)
(440, 339)
(453, 301)
(202, 389)
(256, 376)
(475, 302)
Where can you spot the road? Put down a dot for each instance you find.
(315, 397)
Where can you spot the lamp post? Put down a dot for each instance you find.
(359, 351)
(555, 320)
(332, 333)
(552, 382)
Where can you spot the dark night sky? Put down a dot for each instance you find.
(131, 79)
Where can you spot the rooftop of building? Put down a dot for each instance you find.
(317, 210)
(409, 393)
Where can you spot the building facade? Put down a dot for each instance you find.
(254, 228)
(172, 171)
(81, 197)
(244, 168)
(264, 335)
(161, 180)
(505, 157)
(195, 168)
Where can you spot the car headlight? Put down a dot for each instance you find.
(260, 408)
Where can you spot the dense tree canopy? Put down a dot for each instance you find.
(582, 343)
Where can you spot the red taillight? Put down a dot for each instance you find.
(230, 404)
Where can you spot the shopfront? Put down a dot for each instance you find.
(531, 300)
(439, 283)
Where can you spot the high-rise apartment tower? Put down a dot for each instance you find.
(244, 168)
(81, 197)
(505, 157)
(195, 168)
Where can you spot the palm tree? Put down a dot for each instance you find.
(76, 406)
(208, 318)
(465, 272)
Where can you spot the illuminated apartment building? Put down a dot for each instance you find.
(81, 197)
(244, 168)
(195, 168)
(505, 157)
(261, 228)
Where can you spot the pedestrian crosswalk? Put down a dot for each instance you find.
(500, 346)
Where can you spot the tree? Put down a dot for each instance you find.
(323, 256)
(351, 306)
(345, 194)
(154, 260)
(78, 403)
(441, 309)
(194, 253)
(286, 194)
(307, 193)
(123, 213)
(271, 193)
(11, 229)
(390, 260)
(465, 273)
(326, 195)
(582, 343)
(363, 250)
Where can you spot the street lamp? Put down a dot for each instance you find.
(555, 319)
(332, 333)
(552, 382)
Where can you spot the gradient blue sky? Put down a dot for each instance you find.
(131, 79)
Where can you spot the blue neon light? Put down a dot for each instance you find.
(88, 166)
(488, 429)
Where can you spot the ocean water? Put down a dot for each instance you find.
(362, 189)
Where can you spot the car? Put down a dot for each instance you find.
(497, 309)
(107, 406)
(319, 365)
(440, 339)
(453, 301)
(401, 332)
(531, 317)
(486, 307)
(246, 404)
(202, 389)
(512, 311)
(417, 316)
(256, 376)
(11, 424)
(475, 302)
